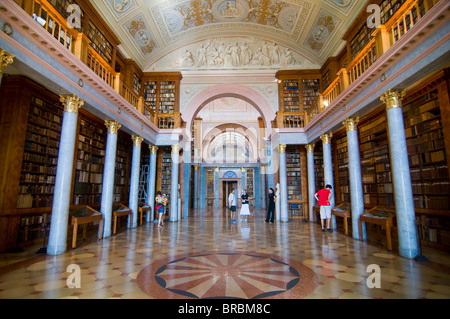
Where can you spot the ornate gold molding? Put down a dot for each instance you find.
(310, 147)
(113, 126)
(350, 123)
(5, 59)
(326, 138)
(243, 170)
(153, 149)
(137, 140)
(282, 148)
(393, 98)
(195, 167)
(217, 169)
(72, 103)
(175, 149)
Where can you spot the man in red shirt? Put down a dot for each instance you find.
(324, 197)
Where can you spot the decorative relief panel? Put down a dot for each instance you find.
(139, 32)
(322, 29)
(233, 53)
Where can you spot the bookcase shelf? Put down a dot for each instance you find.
(293, 173)
(343, 191)
(250, 183)
(122, 170)
(89, 161)
(40, 155)
(318, 167)
(166, 170)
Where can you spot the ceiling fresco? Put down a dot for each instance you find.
(263, 34)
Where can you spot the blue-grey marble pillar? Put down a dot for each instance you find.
(328, 170)
(216, 187)
(151, 184)
(257, 189)
(403, 196)
(263, 187)
(187, 179)
(195, 203)
(271, 166)
(354, 169)
(174, 184)
(243, 179)
(311, 180)
(202, 197)
(284, 215)
(108, 176)
(61, 198)
(134, 181)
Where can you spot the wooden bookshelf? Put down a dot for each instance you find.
(250, 184)
(164, 170)
(318, 166)
(40, 155)
(343, 178)
(123, 168)
(89, 161)
(296, 185)
(161, 92)
(298, 89)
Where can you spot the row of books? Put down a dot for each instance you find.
(49, 128)
(36, 189)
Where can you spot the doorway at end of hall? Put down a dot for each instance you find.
(227, 186)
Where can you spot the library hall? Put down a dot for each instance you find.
(212, 149)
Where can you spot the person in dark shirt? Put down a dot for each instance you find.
(271, 205)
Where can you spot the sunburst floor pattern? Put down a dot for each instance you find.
(227, 275)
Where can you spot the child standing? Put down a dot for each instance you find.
(232, 206)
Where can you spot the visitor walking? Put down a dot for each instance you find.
(245, 210)
(271, 206)
(232, 206)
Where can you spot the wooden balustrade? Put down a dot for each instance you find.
(332, 91)
(403, 20)
(97, 64)
(362, 61)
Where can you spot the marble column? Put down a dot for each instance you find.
(284, 216)
(134, 181)
(328, 169)
(202, 186)
(151, 184)
(270, 167)
(216, 187)
(5, 59)
(354, 169)
(187, 179)
(108, 176)
(195, 203)
(263, 187)
(174, 184)
(257, 189)
(311, 180)
(57, 241)
(403, 196)
(243, 179)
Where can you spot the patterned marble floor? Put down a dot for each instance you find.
(206, 256)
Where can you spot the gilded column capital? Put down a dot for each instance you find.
(195, 167)
(350, 123)
(243, 170)
(5, 59)
(153, 149)
(72, 103)
(310, 147)
(393, 98)
(175, 149)
(217, 169)
(113, 126)
(137, 140)
(282, 148)
(326, 138)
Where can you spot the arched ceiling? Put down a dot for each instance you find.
(229, 34)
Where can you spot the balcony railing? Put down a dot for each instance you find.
(383, 38)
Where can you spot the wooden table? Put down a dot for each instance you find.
(82, 215)
(343, 210)
(379, 216)
(119, 210)
(142, 208)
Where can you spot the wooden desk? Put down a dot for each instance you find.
(142, 208)
(82, 215)
(119, 210)
(343, 210)
(379, 216)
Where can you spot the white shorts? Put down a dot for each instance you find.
(325, 212)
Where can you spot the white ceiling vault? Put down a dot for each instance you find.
(229, 34)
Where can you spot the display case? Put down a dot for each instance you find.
(343, 210)
(381, 216)
(119, 210)
(83, 215)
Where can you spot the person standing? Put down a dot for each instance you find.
(271, 206)
(323, 196)
(232, 206)
(161, 202)
(245, 210)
